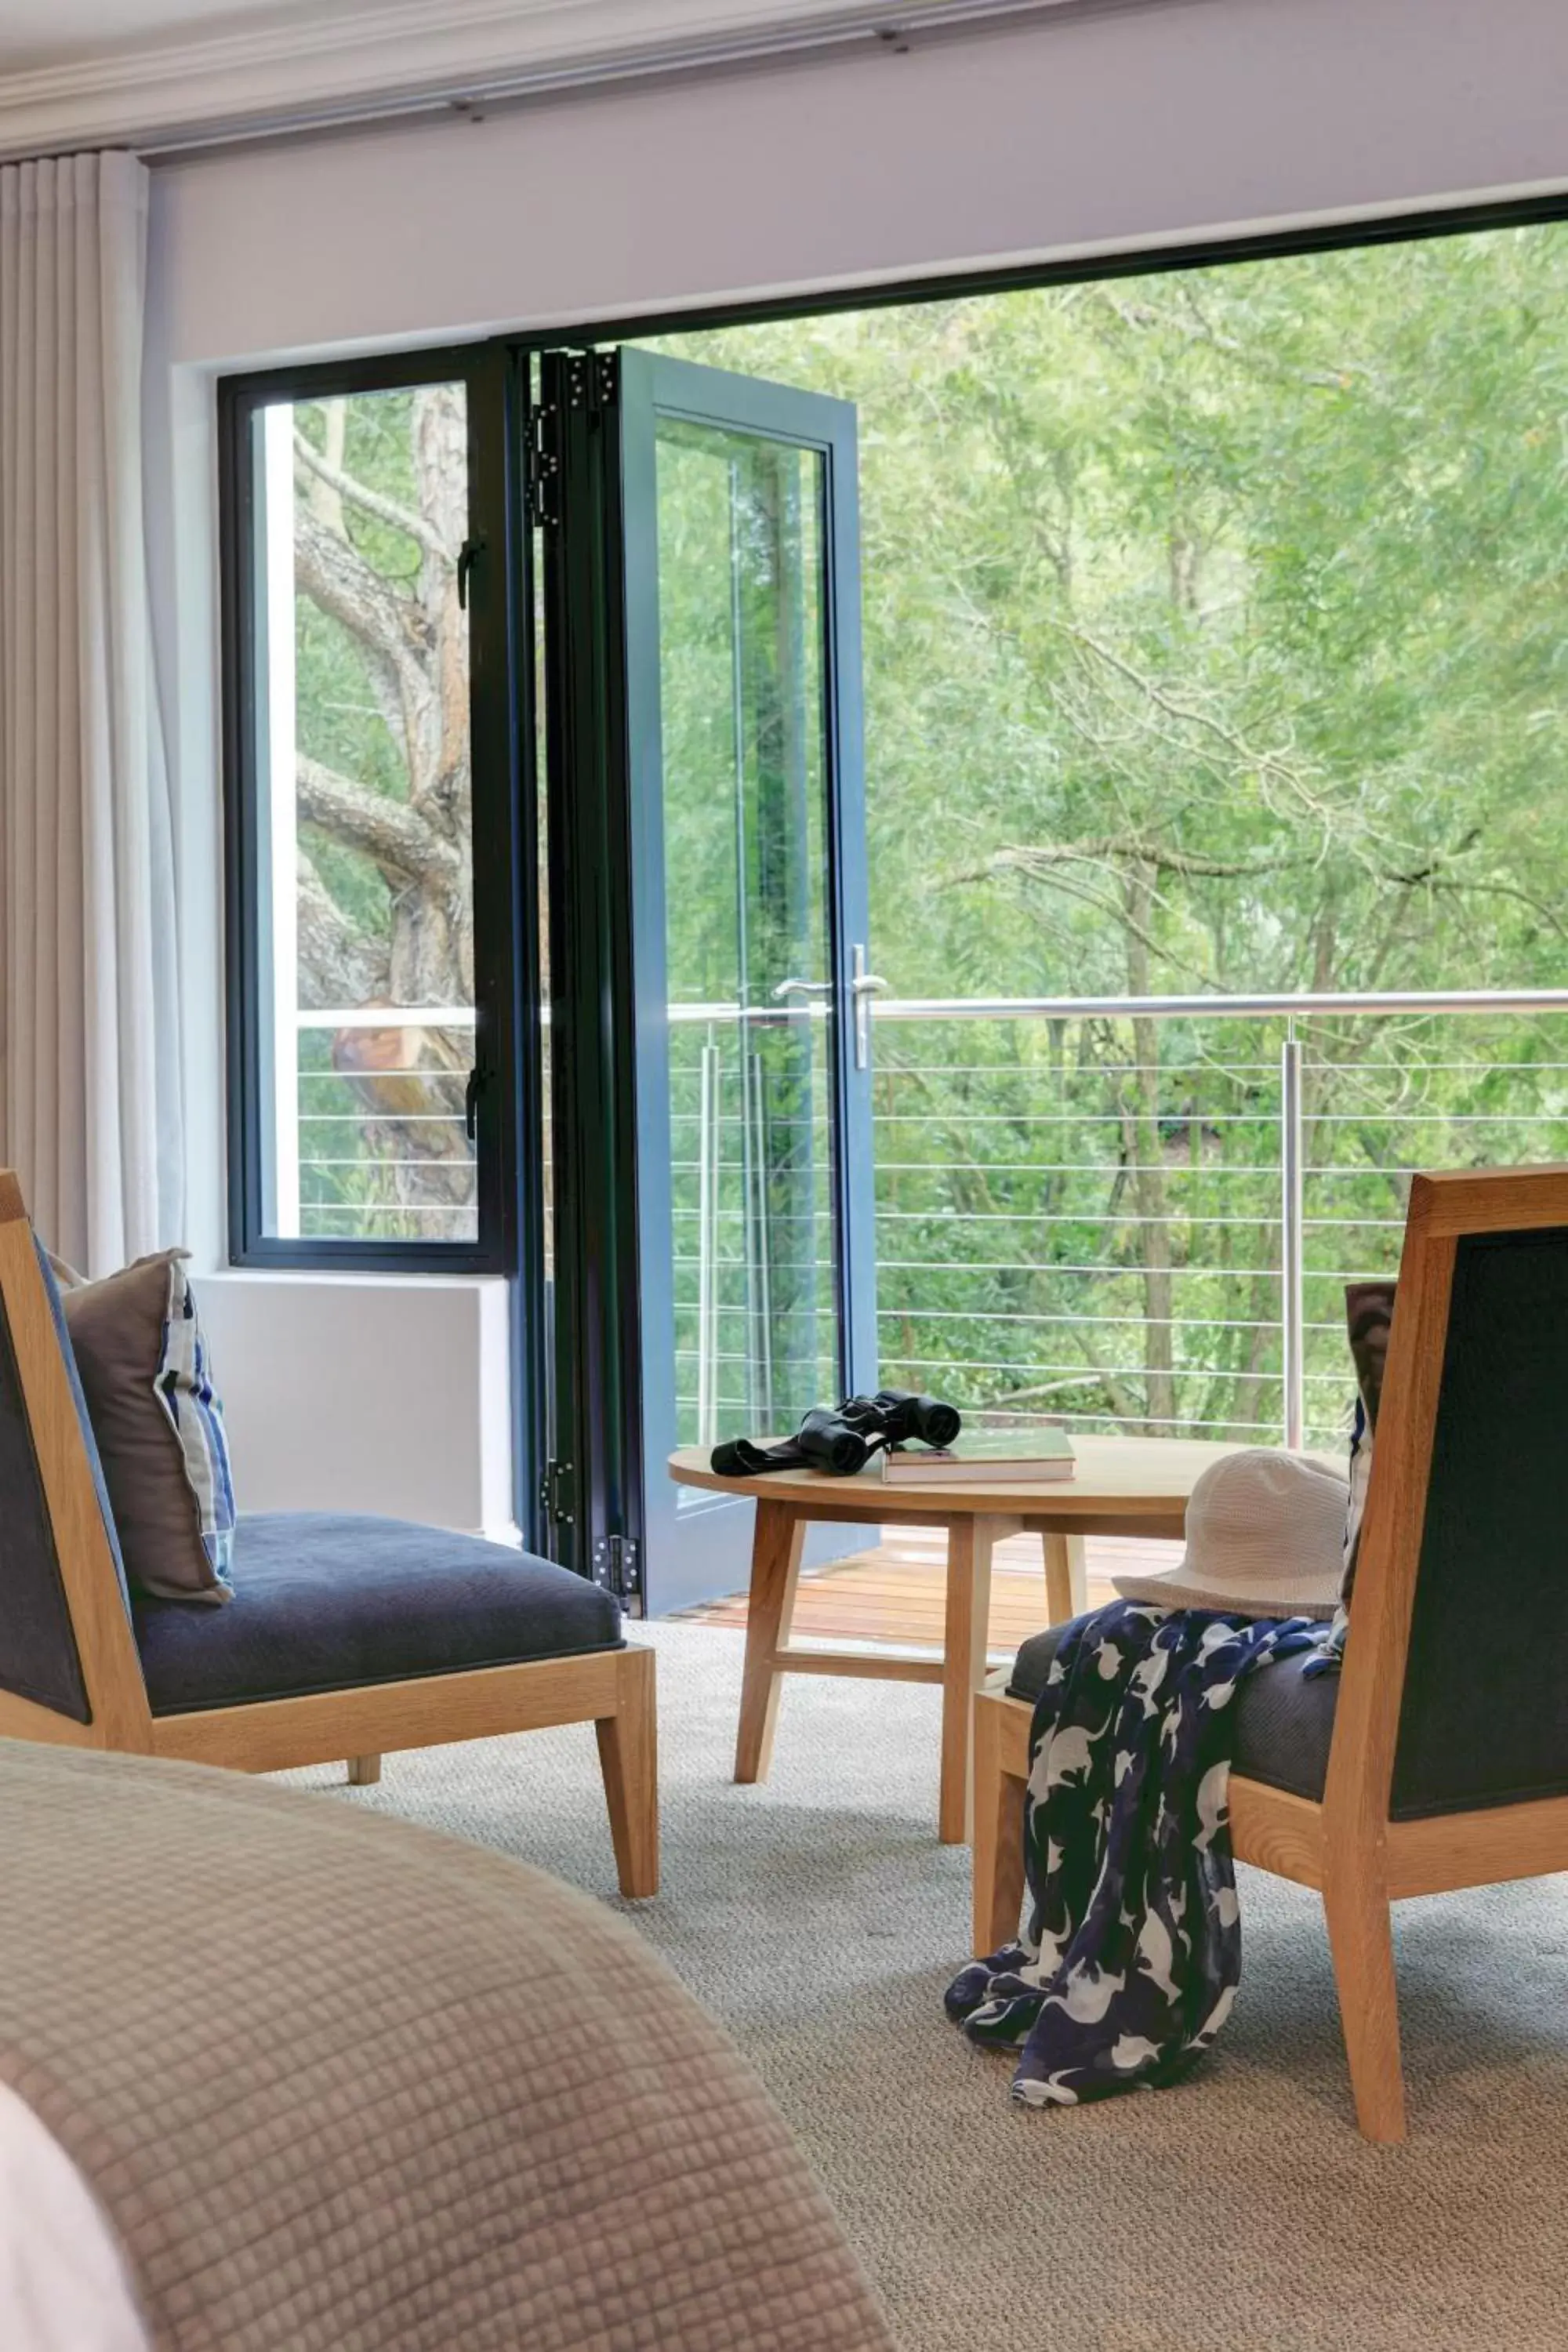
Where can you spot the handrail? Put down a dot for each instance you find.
(1218, 1007)
(1283, 1006)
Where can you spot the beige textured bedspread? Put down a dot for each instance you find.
(343, 2086)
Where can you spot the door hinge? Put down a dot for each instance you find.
(557, 1494)
(593, 380)
(589, 382)
(543, 473)
(618, 1566)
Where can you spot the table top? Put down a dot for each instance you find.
(1128, 1479)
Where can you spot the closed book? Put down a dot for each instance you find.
(1014, 1455)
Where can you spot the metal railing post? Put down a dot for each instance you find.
(708, 1251)
(1292, 1313)
(759, 1244)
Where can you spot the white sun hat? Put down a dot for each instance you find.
(1266, 1534)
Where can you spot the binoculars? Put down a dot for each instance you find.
(844, 1440)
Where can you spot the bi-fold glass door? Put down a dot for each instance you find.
(711, 985)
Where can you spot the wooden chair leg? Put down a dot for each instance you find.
(1066, 1577)
(628, 1758)
(364, 1771)
(999, 1806)
(776, 1546)
(1361, 1943)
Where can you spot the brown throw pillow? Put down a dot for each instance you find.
(117, 1329)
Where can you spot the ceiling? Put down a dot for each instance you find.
(152, 73)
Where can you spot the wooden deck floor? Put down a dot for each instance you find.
(892, 1594)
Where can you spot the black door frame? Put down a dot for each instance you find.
(651, 388)
(591, 1487)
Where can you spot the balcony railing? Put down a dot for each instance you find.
(1109, 1212)
(371, 1139)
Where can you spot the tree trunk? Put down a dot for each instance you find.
(409, 1080)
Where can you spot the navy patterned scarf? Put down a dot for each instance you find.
(1133, 1949)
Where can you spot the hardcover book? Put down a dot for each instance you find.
(1020, 1456)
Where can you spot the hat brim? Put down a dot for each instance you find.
(1316, 1597)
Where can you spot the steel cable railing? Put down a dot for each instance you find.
(1066, 1227)
(949, 1171)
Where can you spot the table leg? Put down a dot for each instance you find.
(1066, 1577)
(776, 1546)
(1000, 1807)
(969, 1548)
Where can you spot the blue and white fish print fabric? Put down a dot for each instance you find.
(1133, 1949)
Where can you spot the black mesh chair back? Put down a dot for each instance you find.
(38, 1656)
(1484, 1719)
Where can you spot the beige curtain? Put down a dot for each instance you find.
(90, 1102)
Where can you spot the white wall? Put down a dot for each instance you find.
(1128, 127)
(347, 1393)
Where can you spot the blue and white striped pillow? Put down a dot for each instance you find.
(183, 1388)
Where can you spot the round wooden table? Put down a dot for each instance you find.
(1123, 1486)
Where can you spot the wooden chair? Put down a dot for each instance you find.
(1439, 1758)
(475, 1639)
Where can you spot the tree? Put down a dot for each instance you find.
(384, 804)
(1213, 630)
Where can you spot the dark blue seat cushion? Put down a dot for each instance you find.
(324, 1602)
(1283, 1722)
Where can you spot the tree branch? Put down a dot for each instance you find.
(397, 836)
(1030, 858)
(338, 964)
(1432, 878)
(372, 502)
(1264, 763)
(1119, 1397)
(393, 630)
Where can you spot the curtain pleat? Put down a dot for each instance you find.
(89, 1097)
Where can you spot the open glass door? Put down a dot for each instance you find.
(724, 634)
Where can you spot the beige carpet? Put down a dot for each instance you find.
(819, 1919)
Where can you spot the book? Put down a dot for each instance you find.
(1020, 1456)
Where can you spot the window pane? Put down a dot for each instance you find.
(366, 850)
(743, 712)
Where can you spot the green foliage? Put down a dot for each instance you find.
(1213, 641)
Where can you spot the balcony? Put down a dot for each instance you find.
(1109, 1213)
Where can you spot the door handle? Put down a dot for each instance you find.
(863, 986)
(467, 555)
(802, 988)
